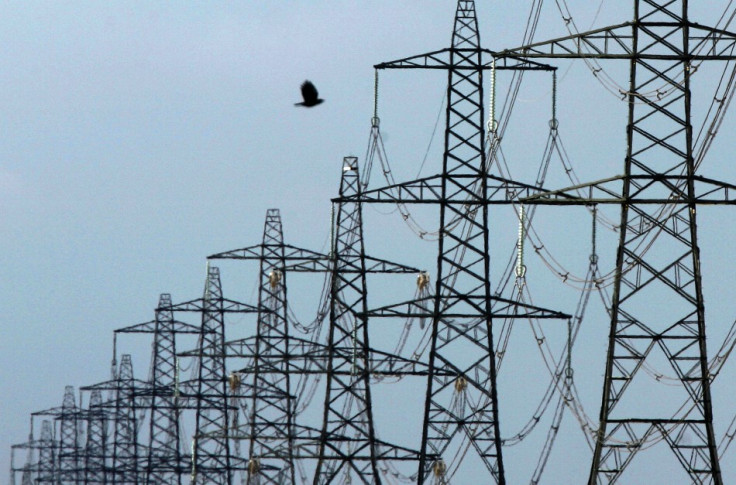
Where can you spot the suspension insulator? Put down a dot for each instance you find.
(439, 468)
(274, 278)
(422, 280)
(461, 384)
(234, 381)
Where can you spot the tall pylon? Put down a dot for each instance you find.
(658, 311)
(47, 450)
(272, 399)
(165, 462)
(96, 446)
(276, 356)
(267, 381)
(69, 439)
(125, 447)
(461, 360)
(348, 430)
(212, 458)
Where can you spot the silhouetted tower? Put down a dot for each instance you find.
(658, 312)
(463, 307)
(272, 397)
(348, 443)
(69, 450)
(125, 453)
(212, 460)
(95, 451)
(47, 449)
(165, 462)
(271, 428)
(30, 466)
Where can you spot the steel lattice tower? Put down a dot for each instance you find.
(271, 421)
(292, 356)
(348, 431)
(95, 451)
(69, 451)
(125, 452)
(461, 357)
(47, 454)
(165, 462)
(271, 430)
(212, 460)
(658, 259)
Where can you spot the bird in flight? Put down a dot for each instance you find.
(310, 95)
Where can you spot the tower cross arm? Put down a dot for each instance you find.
(465, 59)
(150, 327)
(616, 42)
(609, 191)
(291, 253)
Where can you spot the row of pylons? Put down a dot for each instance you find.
(295, 402)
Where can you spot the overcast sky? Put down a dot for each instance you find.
(139, 137)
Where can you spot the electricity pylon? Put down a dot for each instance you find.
(59, 461)
(461, 359)
(95, 449)
(658, 311)
(165, 462)
(349, 447)
(213, 460)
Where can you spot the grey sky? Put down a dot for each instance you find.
(139, 137)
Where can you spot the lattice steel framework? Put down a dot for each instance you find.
(69, 450)
(272, 410)
(348, 442)
(267, 387)
(95, 450)
(293, 356)
(461, 356)
(212, 460)
(165, 461)
(125, 447)
(657, 307)
(47, 449)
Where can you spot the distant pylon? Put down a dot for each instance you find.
(272, 410)
(69, 451)
(212, 461)
(125, 452)
(348, 442)
(47, 455)
(95, 450)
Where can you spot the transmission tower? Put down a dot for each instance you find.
(272, 412)
(461, 359)
(59, 461)
(271, 354)
(47, 450)
(125, 448)
(275, 355)
(95, 451)
(658, 258)
(165, 462)
(213, 460)
(30, 467)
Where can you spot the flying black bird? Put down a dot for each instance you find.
(310, 95)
